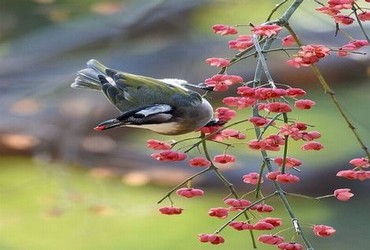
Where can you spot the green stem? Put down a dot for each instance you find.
(277, 6)
(262, 61)
(302, 196)
(242, 58)
(273, 50)
(206, 137)
(268, 125)
(182, 140)
(337, 104)
(183, 183)
(285, 152)
(237, 58)
(324, 196)
(258, 187)
(318, 2)
(290, 11)
(360, 23)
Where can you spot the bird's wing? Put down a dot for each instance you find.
(152, 114)
(128, 91)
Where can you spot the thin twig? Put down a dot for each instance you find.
(206, 137)
(277, 6)
(285, 152)
(360, 23)
(244, 211)
(183, 183)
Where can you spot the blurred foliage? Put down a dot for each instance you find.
(59, 207)
(235, 11)
(19, 17)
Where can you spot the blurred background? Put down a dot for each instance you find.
(65, 186)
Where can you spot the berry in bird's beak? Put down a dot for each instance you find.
(99, 128)
(112, 123)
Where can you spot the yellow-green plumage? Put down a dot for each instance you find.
(146, 102)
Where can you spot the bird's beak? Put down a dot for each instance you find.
(112, 123)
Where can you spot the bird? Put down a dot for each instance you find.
(164, 106)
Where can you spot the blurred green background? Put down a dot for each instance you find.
(65, 186)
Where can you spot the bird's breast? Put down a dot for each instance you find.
(169, 128)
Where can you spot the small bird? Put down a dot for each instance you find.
(164, 106)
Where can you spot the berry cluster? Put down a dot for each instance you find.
(269, 104)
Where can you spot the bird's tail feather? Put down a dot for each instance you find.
(89, 78)
(97, 66)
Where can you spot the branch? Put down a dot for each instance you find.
(244, 211)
